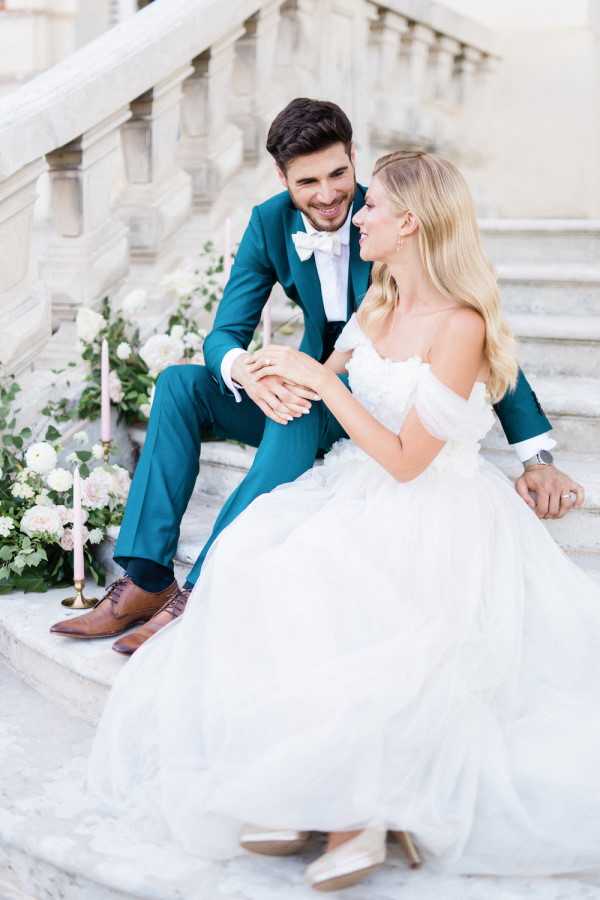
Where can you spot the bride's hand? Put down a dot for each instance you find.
(290, 364)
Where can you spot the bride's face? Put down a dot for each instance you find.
(379, 225)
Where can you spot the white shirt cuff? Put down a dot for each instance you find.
(527, 449)
(226, 366)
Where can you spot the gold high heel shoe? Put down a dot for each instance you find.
(349, 863)
(273, 842)
(409, 848)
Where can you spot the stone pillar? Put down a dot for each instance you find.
(24, 302)
(89, 253)
(443, 91)
(157, 198)
(387, 32)
(466, 72)
(211, 149)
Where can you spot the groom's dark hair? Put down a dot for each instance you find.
(306, 126)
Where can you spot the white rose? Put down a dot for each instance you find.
(6, 526)
(121, 482)
(96, 490)
(115, 388)
(192, 340)
(44, 499)
(60, 480)
(145, 410)
(42, 520)
(96, 535)
(123, 350)
(81, 438)
(41, 458)
(89, 325)
(177, 332)
(134, 302)
(98, 451)
(160, 351)
(66, 541)
(22, 491)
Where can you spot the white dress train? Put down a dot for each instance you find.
(359, 650)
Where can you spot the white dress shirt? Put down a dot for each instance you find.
(333, 275)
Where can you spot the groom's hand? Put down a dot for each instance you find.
(549, 492)
(279, 400)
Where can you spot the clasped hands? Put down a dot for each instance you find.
(282, 381)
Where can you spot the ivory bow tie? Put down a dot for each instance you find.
(306, 244)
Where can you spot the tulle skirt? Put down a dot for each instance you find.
(360, 651)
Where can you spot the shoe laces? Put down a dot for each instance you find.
(114, 591)
(176, 604)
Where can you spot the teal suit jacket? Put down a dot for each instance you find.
(267, 255)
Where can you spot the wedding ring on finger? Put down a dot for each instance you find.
(570, 495)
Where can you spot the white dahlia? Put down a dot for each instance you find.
(41, 458)
(124, 350)
(59, 480)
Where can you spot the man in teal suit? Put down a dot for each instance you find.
(303, 239)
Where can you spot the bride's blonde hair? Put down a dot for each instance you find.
(450, 248)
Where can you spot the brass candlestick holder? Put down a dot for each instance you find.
(79, 601)
(107, 447)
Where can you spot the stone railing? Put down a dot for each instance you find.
(164, 118)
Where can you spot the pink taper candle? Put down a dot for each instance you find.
(105, 393)
(267, 325)
(227, 249)
(78, 564)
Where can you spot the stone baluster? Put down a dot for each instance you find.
(297, 55)
(468, 63)
(157, 198)
(268, 24)
(211, 149)
(416, 121)
(24, 301)
(387, 31)
(443, 83)
(89, 253)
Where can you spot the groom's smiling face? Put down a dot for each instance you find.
(322, 185)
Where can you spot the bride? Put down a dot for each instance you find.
(393, 641)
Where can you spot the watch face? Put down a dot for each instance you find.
(546, 457)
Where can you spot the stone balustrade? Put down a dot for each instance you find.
(164, 118)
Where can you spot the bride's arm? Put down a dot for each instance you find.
(455, 360)
(337, 361)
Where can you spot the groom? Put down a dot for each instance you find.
(302, 238)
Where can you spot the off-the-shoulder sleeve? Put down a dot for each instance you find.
(351, 335)
(448, 416)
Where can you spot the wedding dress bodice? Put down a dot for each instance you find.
(389, 389)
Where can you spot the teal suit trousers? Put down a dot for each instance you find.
(189, 406)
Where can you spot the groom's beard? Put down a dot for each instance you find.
(345, 200)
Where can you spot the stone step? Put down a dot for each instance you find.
(550, 289)
(558, 345)
(541, 240)
(55, 842)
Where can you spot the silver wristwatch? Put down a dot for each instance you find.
(543, 458)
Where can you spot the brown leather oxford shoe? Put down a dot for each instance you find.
(169, 611)
(123, 605)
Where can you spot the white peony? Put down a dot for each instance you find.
(98, 451)
(6, 526)
(134, 302)
(115, 388)
(89, 325)
(81, 438)
(60, 480)
(22, 491)
(177, 332)
(41, 458)
(121, 482)
(96, 535)
(42, 520)
(96, 490)
(123, 350)
(160, 351)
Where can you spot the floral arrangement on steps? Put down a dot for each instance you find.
(135, 365)
(36, 499)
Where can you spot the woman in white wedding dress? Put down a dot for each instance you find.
(393, 641)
